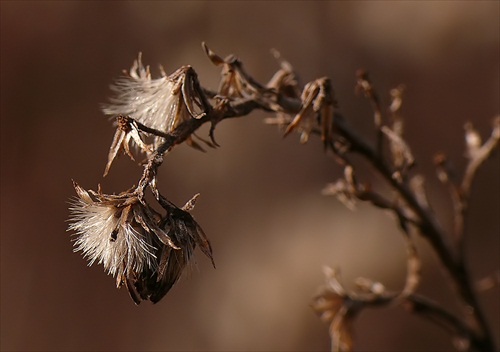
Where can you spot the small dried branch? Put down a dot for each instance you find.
(364, 86)
(425, 308)
(429, 228)
(477, 153)
(338, 306)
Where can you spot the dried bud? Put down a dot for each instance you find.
(332, 304)
(236, 83)
(473, 140)
(345, 189)
(126, 131)
(396, 99)
(284, 81)
(316, 112)
(417, 185)
(364, 86)
(401, 154)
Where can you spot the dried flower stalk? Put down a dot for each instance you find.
(147, 251)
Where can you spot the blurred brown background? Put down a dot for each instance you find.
(260, 203)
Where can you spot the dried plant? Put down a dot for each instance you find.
(147, 251)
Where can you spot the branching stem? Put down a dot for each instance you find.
(244, 95)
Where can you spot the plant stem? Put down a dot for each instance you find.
(481, 339)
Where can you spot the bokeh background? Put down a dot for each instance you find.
(260, 204)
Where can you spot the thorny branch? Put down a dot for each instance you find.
(170, 109)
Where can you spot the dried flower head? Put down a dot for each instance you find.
(145, 251)
(114, 231)
(162, 103)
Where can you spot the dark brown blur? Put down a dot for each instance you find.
(260, 203)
